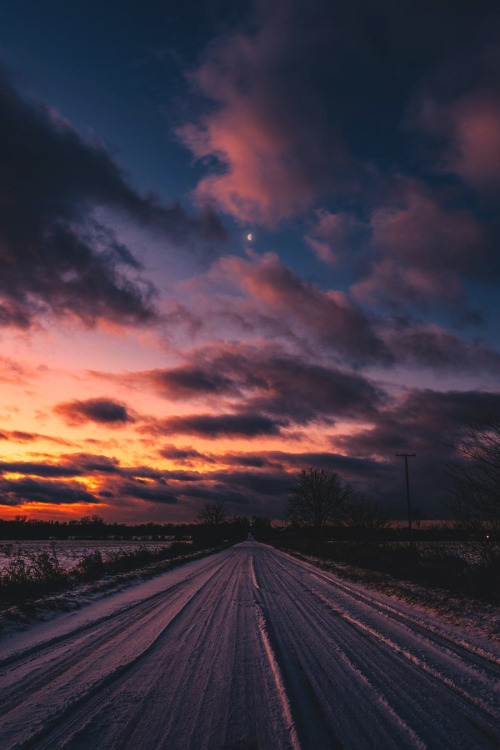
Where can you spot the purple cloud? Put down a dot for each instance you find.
(57, 258)
(103, 411)
(213, 426)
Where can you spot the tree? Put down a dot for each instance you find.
(316, 498)
(476, 475)
(261, 528)
(362, 513)
(417, 515)
(214, 515)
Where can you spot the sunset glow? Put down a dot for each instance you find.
(156, 354)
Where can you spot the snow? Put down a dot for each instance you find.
(248, 648)
(69, 552)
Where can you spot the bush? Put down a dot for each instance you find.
(29, 578)
(432, 567)
(90, 567)
(38, 575)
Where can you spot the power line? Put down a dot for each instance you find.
(406, 456)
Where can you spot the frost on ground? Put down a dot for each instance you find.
(69, 552)
(248, 648)
(46, 606)
(475, 616)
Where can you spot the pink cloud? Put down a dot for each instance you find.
(329, 237)
(422, 247)
(274, 153)
(434, 347)
(477, 142)
(257, 184)
(471, 128)
(419, 230)
(330, 317)
(391, 280)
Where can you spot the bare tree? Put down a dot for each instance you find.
(316, 498)
(362, 513)
(214, 515)
(476, 475)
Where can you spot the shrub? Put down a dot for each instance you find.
(90, 567)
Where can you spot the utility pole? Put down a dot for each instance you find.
(406, 456)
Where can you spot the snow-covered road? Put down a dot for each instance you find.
(248, 649)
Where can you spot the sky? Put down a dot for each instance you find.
(239, 239)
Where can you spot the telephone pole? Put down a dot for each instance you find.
(406, 456)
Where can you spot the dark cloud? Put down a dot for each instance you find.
(257, 482)
(29, 490)
(19, 436)
(433, 347)
(348, 466)
(55, 257)
(304, 96)
(332, 319)
(184, 455)
(217, 425)
(37, 469)
(254, 460)
(188, 382)
(153, 493)
(424, 422)
(100, 410)
(88, 463)
(261, 381)
(304, 392)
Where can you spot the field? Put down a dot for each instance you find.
(70, 552)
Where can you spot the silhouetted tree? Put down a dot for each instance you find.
(362, 513)
(316, 498)
(214, 515)
(476, 474)
(417, 515)
(261, 528)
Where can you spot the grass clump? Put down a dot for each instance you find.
(433, 565)
(31, 576)
(24, 578)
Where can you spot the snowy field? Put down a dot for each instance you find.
(472, 553)
(71, 551)
(248, 648)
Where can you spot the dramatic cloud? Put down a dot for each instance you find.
(54, 256)
(353, 317)
(431, 346)
(189, 382)
(422, 419)
(182, 455)
(153, 493)
(38, 469)
(19, 436)
(304, 97)
(333, 318)
(263, 382)
(274, 144)
(475, 150)
(424, 422)
(468, 131)
(333, 236)
(28, 490)
(217, 425)
(103, 411)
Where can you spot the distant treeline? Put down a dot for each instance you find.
(236, 528)
(94, 527)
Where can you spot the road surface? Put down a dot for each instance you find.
(248, 649)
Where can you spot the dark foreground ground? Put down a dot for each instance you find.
(249, 648)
